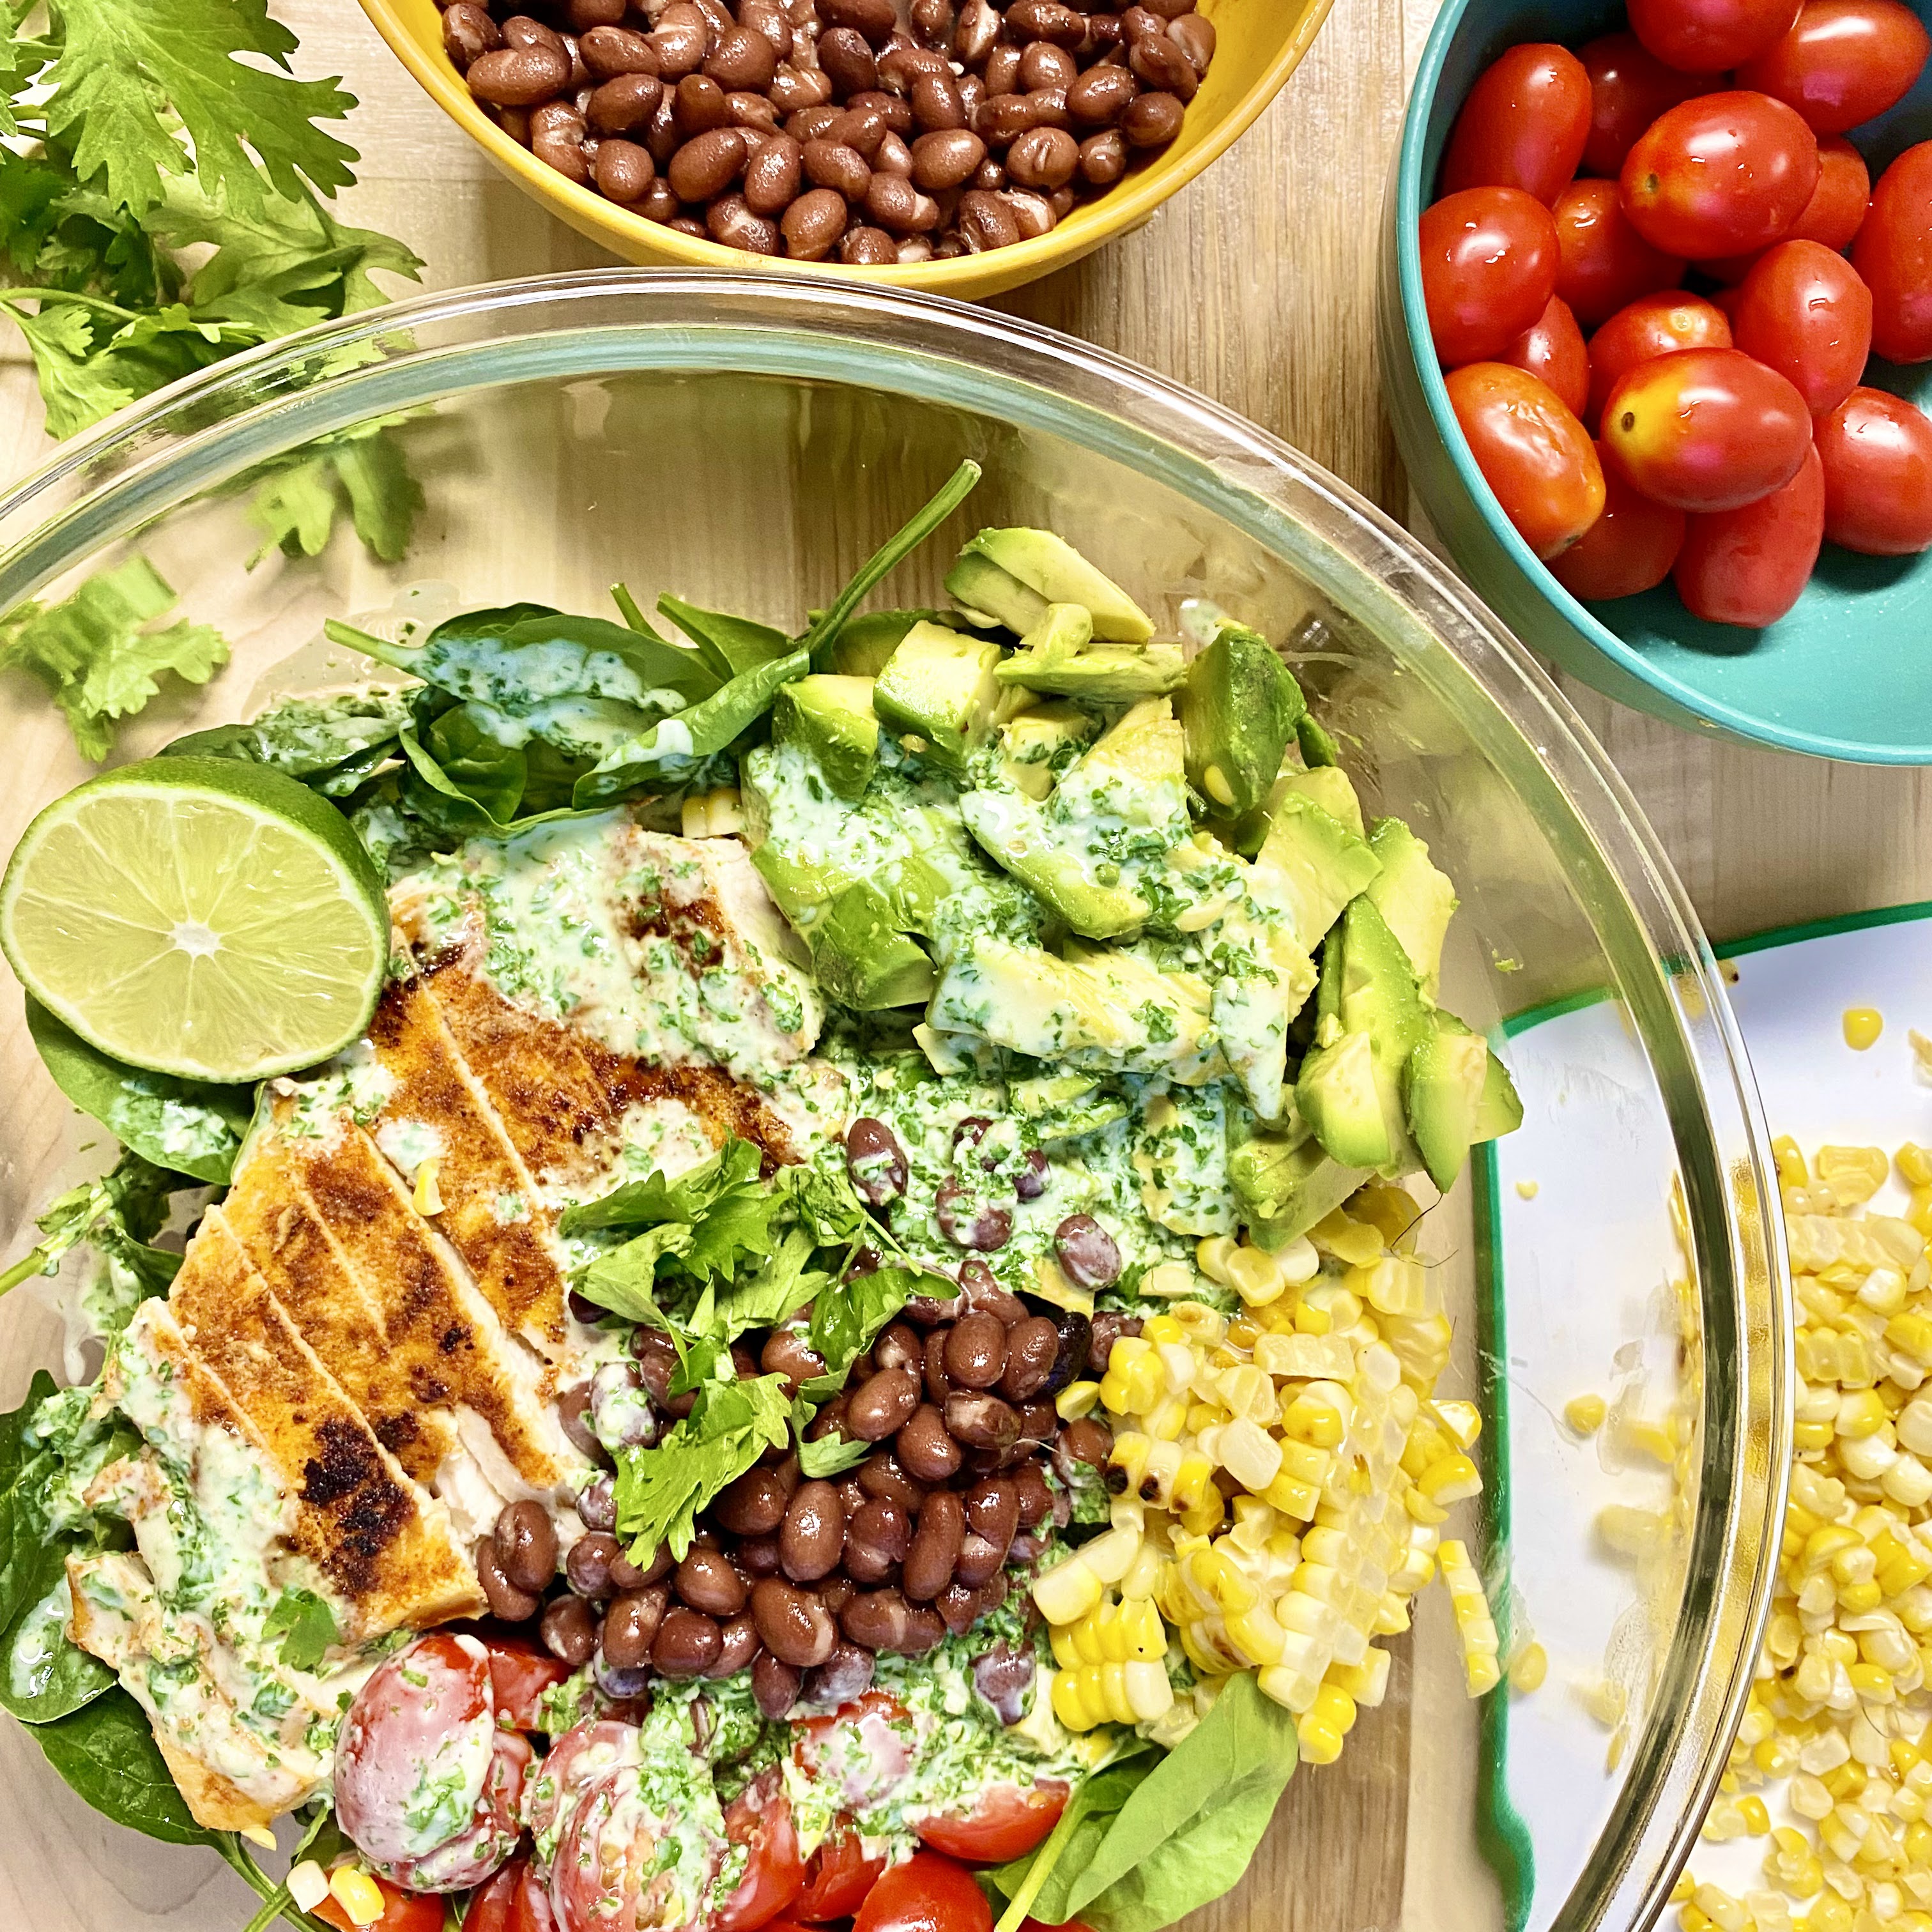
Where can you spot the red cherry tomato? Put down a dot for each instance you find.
(519, 1673)
(926, 1893)
(1652, 326)
(1523, 124)
(1876, 451)
(605, 1876)
(1604, 262)
(1893, 254)
(1006, 1823)
(1832, 216)
(838, 1878)
(515, 1901)
(1706, 429)
(1845, 61)
(1630, 548)
(1552, 349)
(402, 1912)
(1533, 453)
(1629, 87)
(1720, 175)
(1488, 267)
(1804, 312)
(1748, 566)
(759, 1816)
(861, 1750)
(1707, 36)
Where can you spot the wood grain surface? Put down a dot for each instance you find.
(1256, 285)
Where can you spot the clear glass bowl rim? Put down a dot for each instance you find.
(205, 429)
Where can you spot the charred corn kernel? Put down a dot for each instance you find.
(358, 1894)
(1251, 1455)
(1530, 1667)
(307, 1884)
(1212, 1257)
(1243, 1331)
(1454, 1479)
(1075, 1400)
(1194, 1481)
(1206, 1516)
(1312, 1419)
(1584, 1413)
(1217, 1582)
(1069, 1590)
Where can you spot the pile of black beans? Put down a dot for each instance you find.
(855, 130)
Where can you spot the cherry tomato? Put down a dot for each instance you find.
(519, 1673)
(515, 1901)
(1533, 453)
(1804, 312)
(1845, 61)
(1707, 36)
(1893, 254)
(1832, 216)
(1552, 349)
(1523, 124)
(585, 1752)
(1630, 548)
(1005, 1823)
(605, 1876)
(926, 1893)
(1720, 175)
(1604, 262)
(1748, 566)
(838, 1878)
(1876, 450)
(1652, 326)
(759, 1816)
(402, 1912)
(862, 1750)
(1488, 267)
(1629, 87)
(1706, 429)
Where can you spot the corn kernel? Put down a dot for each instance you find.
(1253, 1275)
(307, 1884)
(1584, 1413)
(358, 1894)
(1862, 1026)
(1075, 1400)
(1530, 1667)
(1212, 1257)
(1070, 1590)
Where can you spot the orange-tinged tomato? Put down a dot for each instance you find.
(1523, 124)
(1533, 454)
(1804, 312)
(1844, 61)
(1629, 87)
(1720, 175)
(1552, 349)
(1007, 1822)
(1876, 452)
(926, 1893)
(1488, 267)
(1707, 36)
(1652, 326)
(1630, 548)
(1894, 255)
(1748, 566)
(1706, 429)
(1832, 218)
(402, 1912)
(1603, 262)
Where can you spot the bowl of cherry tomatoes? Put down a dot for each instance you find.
(1656, 319)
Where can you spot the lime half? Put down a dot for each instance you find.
(198, 916)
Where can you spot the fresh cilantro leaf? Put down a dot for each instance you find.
(737, 1228)
(845, 1320)
(120, 1214)
(98, 655)
(125, 68)
(623, 1280)
(831, 1456)
(642, 1204)
(383, 496)
(823, 1196)
(306, 1625)
(782, 1285)
(661, 1490)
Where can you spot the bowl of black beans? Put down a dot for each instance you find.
(959, 146)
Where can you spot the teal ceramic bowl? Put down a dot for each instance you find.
(1847, 673)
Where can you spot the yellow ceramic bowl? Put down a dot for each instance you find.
(1259, 42)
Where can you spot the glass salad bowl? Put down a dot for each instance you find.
(746, 442)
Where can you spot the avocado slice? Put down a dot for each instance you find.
(1317, 747)
(1441, 1089)
(1051, 568)
(1337, 1094)
(1330, 787)
(987, 596)
(1284, 1184)
(861, 959)
(1379, 997)
(1414, 898)
(1103, 676)
(862, 646)
(1036, 743)
(1500, 1110)
(1021, 836)
(939, 684)
(1255, 1003)
(832, 714)
(1239, 710)
(1310, 867)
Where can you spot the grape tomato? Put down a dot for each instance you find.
(838, 1878)
(1629, 548)
(926, 1893)
(402, 1912)
(1876, 449)
(1894, 255)
(1533, 454)
(1832, 218)
(1489, 268)
(1748, 566)
(1707, 36)
(1523, 125)
(1804, 312)
(1603, 262)
(1005, 1822)
(515, 1901)
(1552, 349)
(1843, 62)
(760, 1818)
(1652, 326)
(1629, 87)
(1719, 174)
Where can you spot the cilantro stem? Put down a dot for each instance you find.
(10, 296)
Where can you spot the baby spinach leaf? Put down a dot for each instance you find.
(305, 737)
(661, 1490)
(468, 745)
(27, 1466)
(1038, 1883)
(190, 1125)
(306, 1625)
(731, 645)
(672, 748)
(45, 1675)
(107, 1753)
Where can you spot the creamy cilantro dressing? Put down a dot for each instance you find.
(407, 1143)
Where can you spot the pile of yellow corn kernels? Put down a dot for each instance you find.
(1284, 1476)
(1838, 1717)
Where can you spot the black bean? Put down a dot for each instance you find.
(793, 1625)
(526, 1546)
(883, 1404)
(707, 1581)
(631, 1624)
(505, 1600)
(981, 1421)
(569, 1631)
(775, 1683)
(873, 1156)
(924, 1450)
(687, 1644)
(847, 1674)
(588, 1565)
(813, 1532)
(739, 1647)
(1089, 1256)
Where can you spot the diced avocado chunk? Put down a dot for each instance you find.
(832, 714)
(1104, 1009)
(1330, 786)
(986, 594)
(1336, 1093)
(1441, 1090)
(1053, 571)
(863, 645)
(939, 684)
(1035, 745)
(1310, 867)
(861, 958)
(1317, 747)
(1500, 1110)
(1020, 835)
(1414, 897)
(1239, 709)
(1101, 674)
(1284, 1184)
